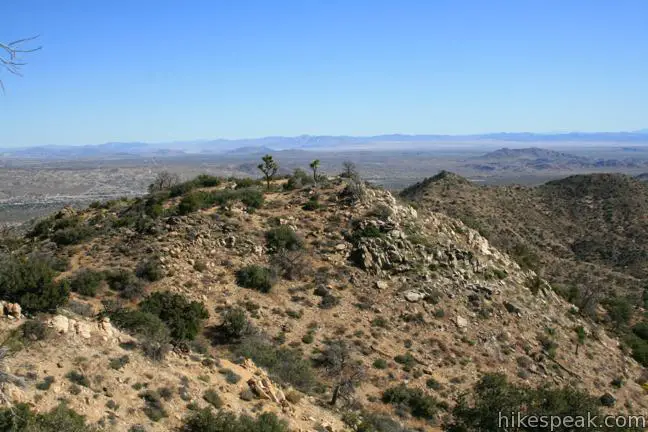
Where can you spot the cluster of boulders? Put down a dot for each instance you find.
(84, 329)
(263, 388)
(10, 310)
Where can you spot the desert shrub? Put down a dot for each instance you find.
(619, 310)
(149, 269)
(641, 330)
(72, 235)
(298, 179)
(526, 257)
(211, 396)
(415, 400)
(206, 180)
(433, 384)
(639, 348)
(34, 330)
(206, 420)
(194, 201)
(86, 282)
(283, 364)
(190, 203)
(380, 363)
(30, 282)
(45, 384)
(184, 318)
(312, 204)
(154, 408)
(283, 238)
(149, 329)
(371, 422)
(247, 182)
(381, 211)
(291, 265)
(230, 376)
(407, 360)
(125, 282)
(235, 324)
(119, 362)
(20, 418)
(78, 378)
(492, 395)
(256, 277)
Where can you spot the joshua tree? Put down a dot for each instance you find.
(269, 168)
(10, 56)
(314, 166)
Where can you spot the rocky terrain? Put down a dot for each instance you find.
(340, 292)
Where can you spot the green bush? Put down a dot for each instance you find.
(197, 200)
(298, 180)
(283, 364)
(380, 363)
(312, 204)
(211, 396)
(283, 237)
(125, 282)
(492, 395)
(206, 420)
(256, 277)
(415, 400)
(72, 235)
(150, 270)
(29, 281)
(154, 408)
(184, 318)
(34, 330)
(206, 180)
(641, 330)
(190, 203)
(20, 418)
(86, 282)
(152, 332)
(235, 324)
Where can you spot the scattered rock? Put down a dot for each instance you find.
(414, 296)
(461, 322)
(60, 324)
(381, 284)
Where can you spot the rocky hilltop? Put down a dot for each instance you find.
(329, 306)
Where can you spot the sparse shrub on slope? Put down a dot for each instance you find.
(125, 282)
(492, 395)
(151, 331)
(415, 400)
(29, 281)
(283, 237)
(299, 179)
(283, 364)
(183, 317)
(86, 282)
(256, 277)
(206, 420)
(20, 418)
(149, 269)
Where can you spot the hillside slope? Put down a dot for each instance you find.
(417, 298)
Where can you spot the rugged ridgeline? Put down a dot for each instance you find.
(333, 306)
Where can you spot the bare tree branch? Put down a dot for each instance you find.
(10, 55)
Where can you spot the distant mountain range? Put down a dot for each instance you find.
(309, 142)
(508, 159)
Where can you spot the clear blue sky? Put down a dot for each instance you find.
(155, 70)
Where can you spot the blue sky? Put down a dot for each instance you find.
(155, 70)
